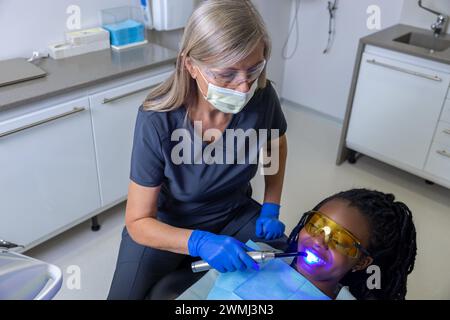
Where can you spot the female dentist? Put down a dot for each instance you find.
(176, 211)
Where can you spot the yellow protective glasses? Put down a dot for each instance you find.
(336, 237)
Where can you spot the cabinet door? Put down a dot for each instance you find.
(48, 177)
(395, 110)
(114, 115)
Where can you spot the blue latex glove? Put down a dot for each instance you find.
(268, 226)
(223, 253)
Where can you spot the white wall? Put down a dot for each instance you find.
(276, 16)
(322, 82)
(29, 25)
(413, 15)
(311, 79)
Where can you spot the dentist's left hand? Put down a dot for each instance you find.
(223, 253)
(268, 226)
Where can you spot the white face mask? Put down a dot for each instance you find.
(228, 100)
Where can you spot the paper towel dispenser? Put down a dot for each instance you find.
(171, 14)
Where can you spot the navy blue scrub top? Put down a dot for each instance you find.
(198, 195)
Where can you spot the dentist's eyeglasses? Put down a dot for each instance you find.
(230, 77)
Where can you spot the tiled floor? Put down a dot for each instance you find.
(311, 176)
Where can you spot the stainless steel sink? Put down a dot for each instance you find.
(421, 40)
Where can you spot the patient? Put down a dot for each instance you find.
(343, 235)
(369, 227)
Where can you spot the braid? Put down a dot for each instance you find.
(392, 242)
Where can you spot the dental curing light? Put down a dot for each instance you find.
(258, 256)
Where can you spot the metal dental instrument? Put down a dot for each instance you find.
(258, 256)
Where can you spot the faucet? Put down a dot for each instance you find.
(8, 245)
(441, 23)
(37, 56)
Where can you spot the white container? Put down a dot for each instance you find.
(171, 14)
(87, 36)
(66, 50)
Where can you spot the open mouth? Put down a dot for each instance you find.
(313, 258)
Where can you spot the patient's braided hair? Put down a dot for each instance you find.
(392, 242)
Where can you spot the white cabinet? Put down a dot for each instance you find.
(443, 133)
(64, 162)
(396, 108)
(113, 118)
(48, 176)
(438, 163)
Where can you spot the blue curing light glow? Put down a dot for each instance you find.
(311, 258)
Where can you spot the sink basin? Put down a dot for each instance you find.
(424, 41)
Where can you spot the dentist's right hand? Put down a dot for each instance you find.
(223, 253)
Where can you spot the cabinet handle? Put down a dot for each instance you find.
(37, 123)
(109, 100)
(447, 131)
(443, 153)
(414, 73)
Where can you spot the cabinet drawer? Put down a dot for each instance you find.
(438, 162)
(446, 112)
(443, 134)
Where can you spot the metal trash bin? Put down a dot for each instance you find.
(25, 278)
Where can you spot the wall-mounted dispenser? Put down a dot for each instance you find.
(171, 14)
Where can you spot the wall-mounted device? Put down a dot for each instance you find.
(169, 14)
(147, 13)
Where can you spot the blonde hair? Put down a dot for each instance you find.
(220, 33)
